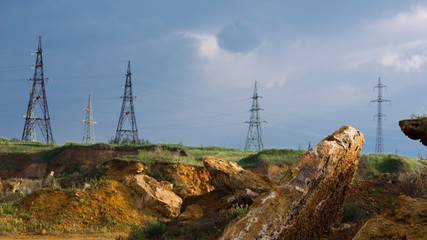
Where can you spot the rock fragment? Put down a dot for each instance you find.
(230, 177)
(155, 196)
(415, 129)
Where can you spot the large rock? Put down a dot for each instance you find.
(154, 196)
(415, 129)
(407, 221)
(230, 177)
(310, 196)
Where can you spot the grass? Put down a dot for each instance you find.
(421, 115)
(372, 166)
(236, 210)
(272, 156)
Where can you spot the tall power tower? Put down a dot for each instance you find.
(127, 113)
(379, 146)
(38, 101)
(89, 132)
(254, 137)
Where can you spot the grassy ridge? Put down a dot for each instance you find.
(272, 156)
(372, 165)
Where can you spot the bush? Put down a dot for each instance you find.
(236, 210)
(353, 212)
(155, 230)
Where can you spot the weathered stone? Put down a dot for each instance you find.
(191, 214)
(415, 129)
(155, 196)
(230, 177)
(310, 196)
(49, 180)
(407, 221)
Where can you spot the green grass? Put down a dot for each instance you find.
(372, 166)
(236, 210)
(272, 156)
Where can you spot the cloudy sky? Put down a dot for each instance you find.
(195, 64)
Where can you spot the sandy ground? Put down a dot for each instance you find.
(70, 236)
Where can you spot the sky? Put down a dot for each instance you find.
(194, 65)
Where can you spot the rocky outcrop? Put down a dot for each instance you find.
(408, 220)
(415, 129)
(310, 196)
(230, 177)
(154, 196)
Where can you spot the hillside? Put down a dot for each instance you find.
(94, 188)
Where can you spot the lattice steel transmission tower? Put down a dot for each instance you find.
(127, 113)
(254, 137)
(89, 131)
(38, 101)
(379, 146)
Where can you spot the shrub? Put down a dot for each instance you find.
(352, 212)
(236, 210)
(154, 230)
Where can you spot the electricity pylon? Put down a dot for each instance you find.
(127, 113)
(38, 100)
(379, 146)
(89, 132)
(254, 137)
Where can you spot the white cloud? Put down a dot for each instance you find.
(407, 22)
(235, 69)
(398, 42)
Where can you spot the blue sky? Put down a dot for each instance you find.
(195, 63)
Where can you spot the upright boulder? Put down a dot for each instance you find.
(408, 220)
(309, 197)
(230, 177)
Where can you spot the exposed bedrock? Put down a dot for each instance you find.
(415, 129)
(309, 197)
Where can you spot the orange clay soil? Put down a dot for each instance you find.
(110, 205)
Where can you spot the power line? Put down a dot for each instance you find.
(254, 133)
(379, 145)
(89, 131)
(127, 113)
(38, 98)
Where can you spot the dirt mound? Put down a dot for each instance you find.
(87, 157)
(408, 220)
(111, 204)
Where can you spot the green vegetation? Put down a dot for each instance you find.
(374, 165)
(236, 210)
(37, 151)
(272, 156)
(423, 114)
